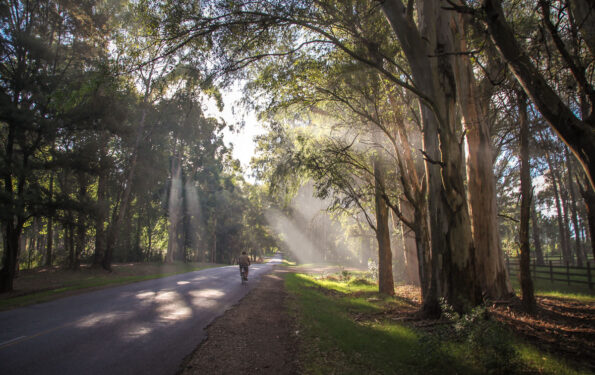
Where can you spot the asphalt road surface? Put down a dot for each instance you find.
(141, 328)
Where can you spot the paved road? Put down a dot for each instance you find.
(141, 328)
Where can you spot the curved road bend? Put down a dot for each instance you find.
(142, 328)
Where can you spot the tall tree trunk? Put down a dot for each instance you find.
(50, 239)
(428, 273)
(81, 225)
(14, 219)
(386, 282)
(69, 240)
(588, 195)
(450, 226)
(113, 230)
(561, 226)
(12, 234)
(481, 183)
(102, 210)
(409, 245)
(214, 247)
(417, 221)
(565, 211)
(137, 235)
(536, 236)
(174, 212)
(580, 255)
(32, 248)
(526, 194)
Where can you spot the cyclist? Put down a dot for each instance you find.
(244, 262)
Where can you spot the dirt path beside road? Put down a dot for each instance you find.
(257, 336)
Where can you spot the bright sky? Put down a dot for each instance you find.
(233, 114)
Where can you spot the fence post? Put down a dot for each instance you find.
(508, 264)
(568, 272)
(589, 275)
(534, 274)
(551, 272)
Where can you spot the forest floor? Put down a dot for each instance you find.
(263, 334)
(47, 283)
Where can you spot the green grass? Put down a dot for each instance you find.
(344, 330)
(288, 263)
(558, 290)
(88, 283)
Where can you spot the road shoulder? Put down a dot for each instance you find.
(255, 337)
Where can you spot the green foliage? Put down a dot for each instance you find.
(490, 347)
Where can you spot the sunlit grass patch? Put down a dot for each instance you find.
(346, 327)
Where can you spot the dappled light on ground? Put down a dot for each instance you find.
(203, 295)
(98, 319)
(135, 331)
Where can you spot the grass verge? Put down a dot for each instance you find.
(347, 328)
(42, 285)
(558, 290)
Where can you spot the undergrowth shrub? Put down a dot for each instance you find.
(345, 275)
(490, 346)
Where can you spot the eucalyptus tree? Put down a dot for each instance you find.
(526, 197)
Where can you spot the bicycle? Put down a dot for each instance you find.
(244, 274)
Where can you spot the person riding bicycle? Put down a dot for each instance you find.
(244, 262)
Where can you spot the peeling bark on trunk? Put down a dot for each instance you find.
(452, 244)
(386, 284)
(409, 245)
(490, 266)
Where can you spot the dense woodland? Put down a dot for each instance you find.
(441, 137)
